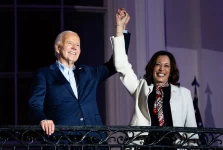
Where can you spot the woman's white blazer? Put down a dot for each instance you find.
(181, 102)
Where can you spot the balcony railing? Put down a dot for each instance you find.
(110, 137)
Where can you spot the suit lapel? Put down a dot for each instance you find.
(77, 75)
(174, 93)
(143, 99)
(80, 79)
(175, 105)
(59, 77)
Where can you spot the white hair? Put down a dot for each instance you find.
(59, 39)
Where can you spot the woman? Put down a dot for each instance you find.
(159, 98)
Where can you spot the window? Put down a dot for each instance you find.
(27, 37)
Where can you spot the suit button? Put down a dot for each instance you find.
(81, 119)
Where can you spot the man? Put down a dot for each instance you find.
(64, 93)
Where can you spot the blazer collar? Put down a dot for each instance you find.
(174, 89)
(150, 87)
(54, 66)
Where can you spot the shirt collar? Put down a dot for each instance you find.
(62, 67)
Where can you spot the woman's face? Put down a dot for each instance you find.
(161, 70)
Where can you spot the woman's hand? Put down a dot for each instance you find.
(122, 19)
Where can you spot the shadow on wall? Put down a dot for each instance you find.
(209, 119)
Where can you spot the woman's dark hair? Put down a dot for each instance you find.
(174, 72)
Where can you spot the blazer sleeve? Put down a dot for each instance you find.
(36, 101)
(122, 65)
(108, 69)
(127, 41)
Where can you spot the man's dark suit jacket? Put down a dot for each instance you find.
(52, 96)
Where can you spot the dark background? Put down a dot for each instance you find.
(27, 33)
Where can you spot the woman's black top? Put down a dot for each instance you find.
(166, 107)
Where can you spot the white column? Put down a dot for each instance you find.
(150, 31)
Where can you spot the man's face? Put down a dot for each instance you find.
(68, 51)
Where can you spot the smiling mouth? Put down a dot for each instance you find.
(73, 53)
(160, 74)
